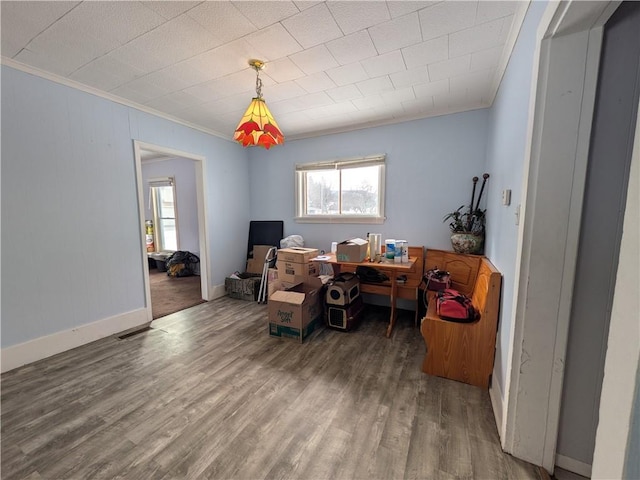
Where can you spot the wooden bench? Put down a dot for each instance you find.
(463, 351)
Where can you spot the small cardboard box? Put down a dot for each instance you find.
(353, 250)
(244, 288)
(297, 312)
(297, 254)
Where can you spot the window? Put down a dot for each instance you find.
(163, 201)
(349, 190)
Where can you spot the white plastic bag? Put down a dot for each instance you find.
(292, 241)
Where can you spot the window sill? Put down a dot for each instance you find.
(340, 219)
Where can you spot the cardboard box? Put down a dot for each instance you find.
(256, 264)
(297, 312)
(244, 288)
(353, 250)
(297, 272)
(297, 254)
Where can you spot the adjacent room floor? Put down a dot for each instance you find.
(206, 393)
(172, 294)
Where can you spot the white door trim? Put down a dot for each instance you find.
(558, 147)
(200, 166)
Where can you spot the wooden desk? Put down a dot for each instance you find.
(390, 288)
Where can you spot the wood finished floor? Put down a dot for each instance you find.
(208, 394)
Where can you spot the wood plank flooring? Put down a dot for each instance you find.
(207, 393)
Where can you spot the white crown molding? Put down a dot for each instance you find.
(108, 96)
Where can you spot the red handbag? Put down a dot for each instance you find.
(437, 279)
(454, 306)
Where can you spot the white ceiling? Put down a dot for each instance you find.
(331, 66)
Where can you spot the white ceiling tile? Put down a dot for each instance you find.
(22, 21)
(62, 51)
(369, 102)
(395, 97)
(313, 26)
(222, 19)
(243, 81)
(188, 72)
(408, 78)
(169, 9)
(385, 64)
(424, 53)
(175, 102)
(397, 33)
(449, 68)
(189, 59)
(120, 22)
(266, 12)
(236, 104)
(439, 87)
(106, 73)
(228, 58)
(316, 83)
(418, 106)
(399, 8)
(480, 37)
(375, 85)
(486, 58)
(490, 10)
(348, 92)
(450, 101)
(352, 48)
(447, 17)
(313, 60)
(283, 91)
(275, 40)
(357, 15)
(167, 80)
(304, 4)
(334, 109)
(175, 40)
(283, 70)
(304, 102)
(131, 54)
(139, 91)
(347, 74)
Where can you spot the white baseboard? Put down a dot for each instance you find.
(217, 291)
(573, 465)
(495, 394)
(42, 347)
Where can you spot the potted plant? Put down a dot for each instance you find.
(468, 225)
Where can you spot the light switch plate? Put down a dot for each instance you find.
(506, 197)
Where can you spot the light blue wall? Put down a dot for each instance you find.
(71, 236)
(184, 172)
(429, 167)
(508, 120)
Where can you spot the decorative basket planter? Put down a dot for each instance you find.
(465, 242)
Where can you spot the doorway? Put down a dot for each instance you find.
(186, 220)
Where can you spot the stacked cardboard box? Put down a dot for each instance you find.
(295, 294)
(295, 265)
(296, 312)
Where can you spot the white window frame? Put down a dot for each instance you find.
(162, 182)
(339, 164)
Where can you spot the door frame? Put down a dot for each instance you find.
(200, 165)
(563, 98)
